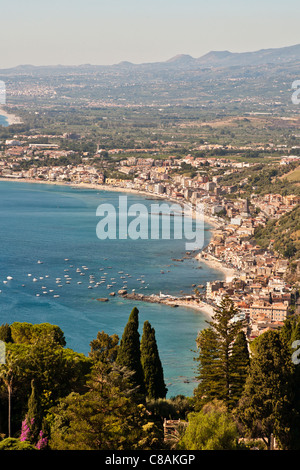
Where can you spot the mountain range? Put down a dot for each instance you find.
(228, 59)
(213, 59)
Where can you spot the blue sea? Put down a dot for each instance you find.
(3, 121)
(49, 246)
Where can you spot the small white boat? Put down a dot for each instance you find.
(9, 278)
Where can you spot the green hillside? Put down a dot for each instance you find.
(284, 234)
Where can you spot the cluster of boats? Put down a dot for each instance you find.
(102, 279)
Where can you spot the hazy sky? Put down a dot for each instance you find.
(109, 31)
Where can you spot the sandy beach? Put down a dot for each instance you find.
(11, 118)
(230, 273)
(203, 307)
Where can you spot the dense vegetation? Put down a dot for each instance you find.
(283, 234)
(264, 178)
(115, 399)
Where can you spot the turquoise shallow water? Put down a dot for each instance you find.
(56, 225)
(3, 121)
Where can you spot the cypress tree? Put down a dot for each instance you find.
(129, 353)
(151, 363)
(34, 416)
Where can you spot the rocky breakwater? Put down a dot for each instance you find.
(153, 298)
(187, 301)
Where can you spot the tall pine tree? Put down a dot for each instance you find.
(129, 353)
(266, 405)
(151, 363)
(217, 364)
(240, 362)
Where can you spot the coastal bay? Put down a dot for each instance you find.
(225, 272)
(52, 223)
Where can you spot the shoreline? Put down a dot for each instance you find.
(201, 306)
(105, 187)
(214, 263)
(11, 118)
(172, 301)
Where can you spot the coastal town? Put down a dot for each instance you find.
(255, 278)
(150, 230)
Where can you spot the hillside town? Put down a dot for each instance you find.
(259, 287)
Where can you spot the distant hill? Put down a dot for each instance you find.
(263, 56)
(181, 59)
(217, 59)
(258, 81)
